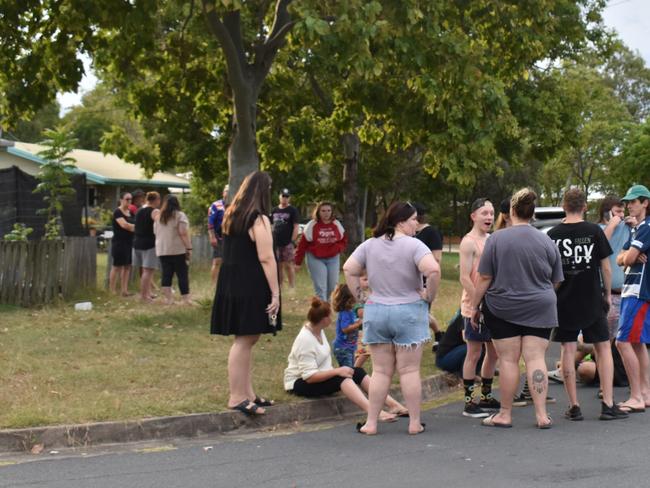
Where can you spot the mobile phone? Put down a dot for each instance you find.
(273, 322)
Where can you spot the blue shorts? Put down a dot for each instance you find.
(482, 334)
(402, 325)
(634, 322)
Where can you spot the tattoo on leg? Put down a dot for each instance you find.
(539, 380)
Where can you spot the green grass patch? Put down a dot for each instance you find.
(127, 360)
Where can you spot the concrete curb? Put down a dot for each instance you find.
(83, 435)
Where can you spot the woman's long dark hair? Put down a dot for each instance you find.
(252, 199)
(169, 207)
(396, 213)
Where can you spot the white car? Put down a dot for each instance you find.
(547, 217)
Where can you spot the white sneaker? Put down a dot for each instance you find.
(556, 375)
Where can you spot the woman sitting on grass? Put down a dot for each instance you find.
(310, 372)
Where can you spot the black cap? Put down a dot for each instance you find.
(285, 192)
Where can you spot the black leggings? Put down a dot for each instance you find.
(175, 264)
(327, 387)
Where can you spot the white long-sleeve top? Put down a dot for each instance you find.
(307, 356)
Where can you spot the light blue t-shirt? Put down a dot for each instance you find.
(620, 236)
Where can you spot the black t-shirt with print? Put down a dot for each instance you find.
(283, 220)
(579, 298)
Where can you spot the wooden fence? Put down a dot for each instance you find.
(201, 249)
(34, 273)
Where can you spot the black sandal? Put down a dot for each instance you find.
(424, 428)
(263, 402)
(248, 408)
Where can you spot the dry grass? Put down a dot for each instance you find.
(126, 360)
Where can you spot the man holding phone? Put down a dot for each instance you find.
(617, 229)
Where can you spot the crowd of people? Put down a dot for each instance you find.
(582, 285)
(150, 233)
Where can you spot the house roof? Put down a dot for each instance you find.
(103, 169)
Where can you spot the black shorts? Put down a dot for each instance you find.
(597, 331)
(122, 253)
(502, 329)
(327, 387)
(217, 251)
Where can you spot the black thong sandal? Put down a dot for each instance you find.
(489, 422)
(400, 413)
(358, 427)
(248, 408)
(263, 402)
(424, 427)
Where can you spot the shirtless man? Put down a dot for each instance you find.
(471, 249)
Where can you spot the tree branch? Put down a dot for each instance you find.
(320, 94)
(260, 18)
(265, 53)
(236, 76)
(232, 23)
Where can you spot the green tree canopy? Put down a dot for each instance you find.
(193, 74)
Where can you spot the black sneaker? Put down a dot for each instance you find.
(611, 413)
(474, 411)
(489, 403)
(574, 413)
(520, 400)
(524, 399)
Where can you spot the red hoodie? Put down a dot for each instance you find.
(322, 240)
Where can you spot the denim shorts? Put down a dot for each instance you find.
(482, 334)
(344, 356)
(402, 325)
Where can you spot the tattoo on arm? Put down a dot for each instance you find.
(539, 381)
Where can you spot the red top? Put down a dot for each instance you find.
(322, 240)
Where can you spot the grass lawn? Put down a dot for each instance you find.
(127, 360)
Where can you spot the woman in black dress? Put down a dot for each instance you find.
(247, 300)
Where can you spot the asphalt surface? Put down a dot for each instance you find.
(453, 452)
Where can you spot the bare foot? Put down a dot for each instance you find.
(399, 412)
(416, 429)
(631, 405)
(387, 417)
(500, 418)
(363, 429)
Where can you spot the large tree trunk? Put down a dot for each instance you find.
(351, 147)
(242, 153)
(246, 78)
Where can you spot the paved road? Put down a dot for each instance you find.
(453, 452)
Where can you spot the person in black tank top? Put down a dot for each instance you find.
(121, 246)
(247, 299)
